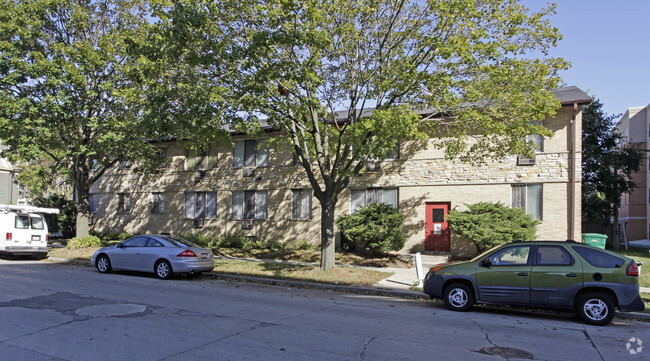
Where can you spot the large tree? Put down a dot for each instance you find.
(608, 164)
(64, 85)
(345, 79)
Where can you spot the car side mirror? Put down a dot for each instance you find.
(120, 245)
(486, 263)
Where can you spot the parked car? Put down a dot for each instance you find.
(563, 275)
(163, 255)
(23, 231)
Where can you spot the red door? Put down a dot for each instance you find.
(436, 230)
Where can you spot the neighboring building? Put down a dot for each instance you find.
(10, 192)
(266, 195)
(633, 220)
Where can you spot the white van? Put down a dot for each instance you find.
(23, 231)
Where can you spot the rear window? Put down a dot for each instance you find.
(37, 222)
(22, 222)
(597, 258)
(180, 242)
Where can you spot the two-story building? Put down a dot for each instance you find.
(264, 193)
(633, 219)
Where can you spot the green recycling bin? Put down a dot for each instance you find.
(595, 239)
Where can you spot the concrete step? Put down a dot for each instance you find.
(428, 260)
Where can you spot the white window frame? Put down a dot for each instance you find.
(250, 153)
(301, 204)
(364, 197)
(250, 204)
(200, 205)
(158, 203)
(92, 203)
(533, 202)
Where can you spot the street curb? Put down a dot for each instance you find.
(361, 290)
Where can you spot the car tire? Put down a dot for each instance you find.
(163, 269)
(103, 264)
(595, 308)
(458, 297)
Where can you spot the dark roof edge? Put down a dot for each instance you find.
(570, 95)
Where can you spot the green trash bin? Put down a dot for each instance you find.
(595, 239)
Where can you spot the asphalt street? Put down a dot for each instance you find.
(54, 311)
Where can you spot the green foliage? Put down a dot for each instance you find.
(84, 242)
(375, 229)
(297, 63)
(64, 222)
(302, 245)
(110, 236)
(65, 89)
(608, 163)
(491, 224)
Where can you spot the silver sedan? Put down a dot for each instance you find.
(163, 255)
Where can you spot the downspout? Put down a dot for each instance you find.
(572, 175)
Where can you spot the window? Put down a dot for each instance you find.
(250, 205)
(250, 153)
(22, 222)
(162, 157)
(197, 160)
(553, 256)
(200, 205)
(528, 197)
(538, 142)
(135, 242)
(36, 222)
(301, 204)
(597, 258)
(365, 197)
(92, 203)
(154, 243)
(511, 256)
(124, 202)
(393, 153)
(159, 203)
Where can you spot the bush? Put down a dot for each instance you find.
(110, 236)
(303, 245)
(376, 229)
(236, 240)
(84, 242)
(492, 224)
(201, 240)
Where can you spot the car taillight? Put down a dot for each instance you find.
(633, 269)
(9, 236)
(47, 237)
(187, 253)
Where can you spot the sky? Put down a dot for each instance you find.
(608, 45)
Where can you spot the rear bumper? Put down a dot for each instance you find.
(634, 306)
(189, 265)
(25, 250)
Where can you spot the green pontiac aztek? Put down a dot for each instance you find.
(562, 275)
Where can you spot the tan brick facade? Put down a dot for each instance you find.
(420, 175)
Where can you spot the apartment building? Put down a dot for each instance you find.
(263, 193)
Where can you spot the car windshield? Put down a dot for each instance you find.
(485, 253)
(179, 242)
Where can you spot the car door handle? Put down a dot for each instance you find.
(571, 275)
(523, 274)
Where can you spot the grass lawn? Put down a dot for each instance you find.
(338, 275)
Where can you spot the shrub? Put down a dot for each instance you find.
(303, 245)
(376, 229)
(201, 240)
(110, 236)
(492, 224)
(274, 245)
(235, 240)
(84, 242)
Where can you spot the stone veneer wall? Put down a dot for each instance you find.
(422, 175)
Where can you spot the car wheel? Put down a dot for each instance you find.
(103, 264)
(458, 297)
(595, 308)
(163, 269)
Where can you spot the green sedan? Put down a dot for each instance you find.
(562, 275)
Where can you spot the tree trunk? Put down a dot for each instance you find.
(327, 234)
